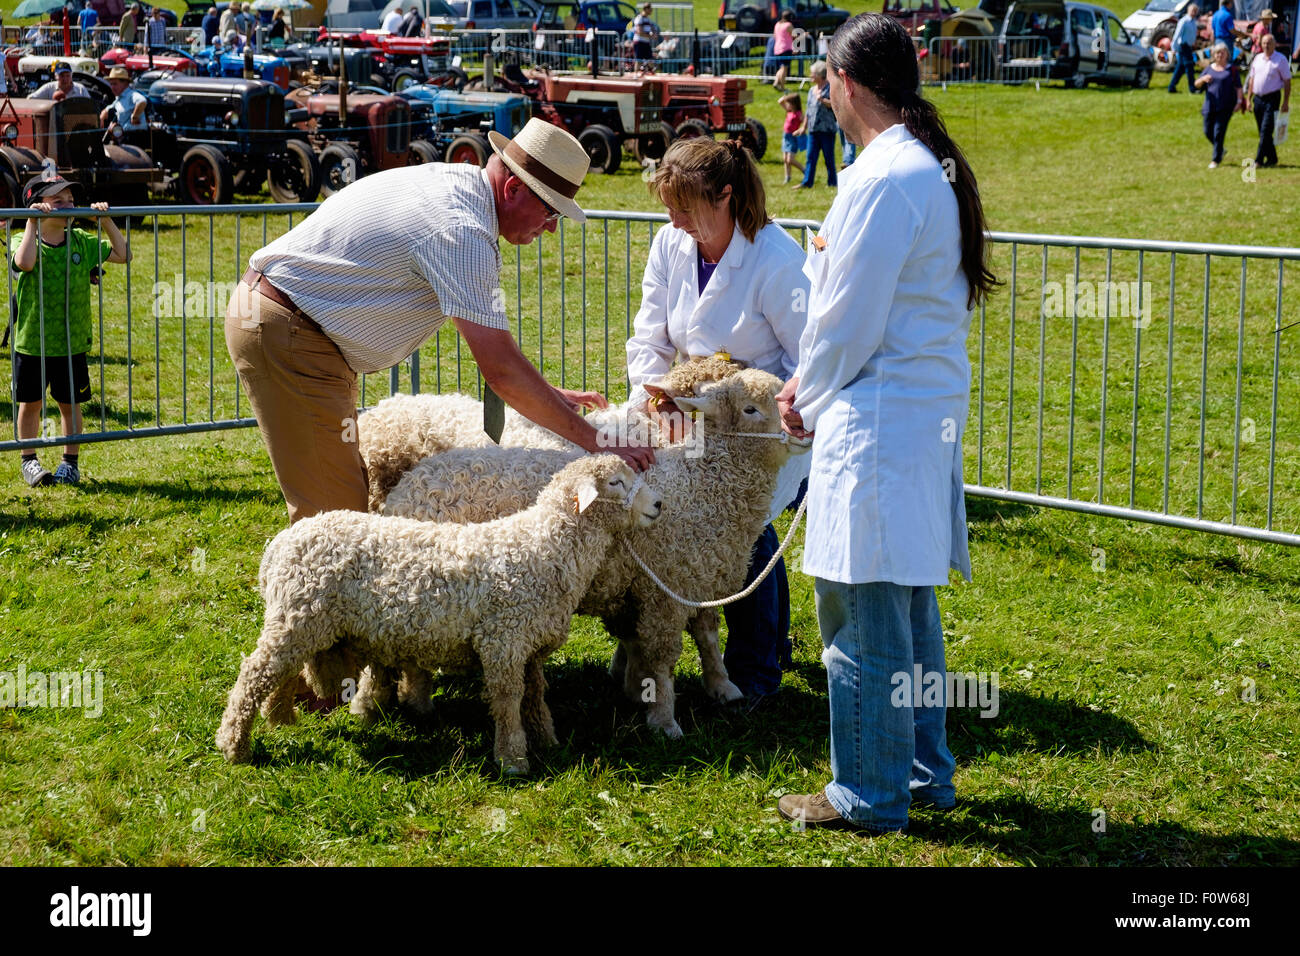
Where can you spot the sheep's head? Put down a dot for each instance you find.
(605, 480)
(743, 402)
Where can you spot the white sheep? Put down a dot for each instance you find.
(404, 593)
(719, 493)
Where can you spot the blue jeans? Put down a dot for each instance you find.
(885, 752)
(758, 627)
(1186, 64)
(1216, 128)
(820, 143)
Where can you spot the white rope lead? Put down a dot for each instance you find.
(789, 536)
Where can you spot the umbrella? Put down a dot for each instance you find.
(36, 8)
(260, 5)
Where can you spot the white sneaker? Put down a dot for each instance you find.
(1213, 165)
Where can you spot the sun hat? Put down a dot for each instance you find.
(39, 188)
(1267, 14)
(549, 160)
(119, 73)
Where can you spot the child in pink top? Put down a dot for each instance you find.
(790, 146)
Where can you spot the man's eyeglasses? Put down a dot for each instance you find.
(552, 214)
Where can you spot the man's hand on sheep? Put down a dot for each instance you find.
(791, 421)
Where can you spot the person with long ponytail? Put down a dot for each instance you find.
(883, 385)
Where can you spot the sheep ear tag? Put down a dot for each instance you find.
(584, 498)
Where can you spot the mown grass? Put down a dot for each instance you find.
(1147, 676)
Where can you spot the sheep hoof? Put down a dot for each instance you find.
(672, 730)
(726, 692)
(514, 767)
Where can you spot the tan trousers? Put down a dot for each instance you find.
(304, 396)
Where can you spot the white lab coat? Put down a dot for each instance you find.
(754, 308)
(884, 378)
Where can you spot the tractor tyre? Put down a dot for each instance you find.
(340, 165)
(205, 178)
(470, 148)
(602, 148)
(422, 151)
(296, 178)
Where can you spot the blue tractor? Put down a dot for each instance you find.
(272, 69)
(452, 127)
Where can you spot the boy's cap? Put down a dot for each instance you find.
(39, 188)
(61, 67)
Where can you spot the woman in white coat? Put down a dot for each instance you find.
(884, 381)
(725, 278)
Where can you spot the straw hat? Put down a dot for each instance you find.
(119, 73)
(1267, 15)
(549, 160)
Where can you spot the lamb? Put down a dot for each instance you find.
(720, 495)
(405, 593)
(403, 429)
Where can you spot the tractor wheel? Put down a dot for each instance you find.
(10, 196)
(754, 137)
(422, 151)
(602, 148)
(205, 178)
(652, 146)
(470, 148)
(693, 127)
(296, 177)
(249, 179)
(404, 78)
(340, 165)
(458, 79)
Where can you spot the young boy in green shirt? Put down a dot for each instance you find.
(57, 288)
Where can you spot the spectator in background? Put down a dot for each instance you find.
(62, 87)
(1221, 82)
(1268, 88)
(235, 42)
(783, 46)
(392, 23)
(279, 29)
(34, 37)
(1224, 26)
(1184, 47)
(791, 143)
(245, 22)
(87, 20)
(227, 21)
(819, 123)
(210, 25)
(157, 29)
(1261, 29)
(412, 23)
(645, 32)
(130, 25)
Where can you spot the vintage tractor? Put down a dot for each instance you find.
(354, 133)
(218, 135)
(272, 69)
(451, 126)
(704, 105)
(603, 112)
(66, 137)
(174, 61)
(311, 61)
(403, 61)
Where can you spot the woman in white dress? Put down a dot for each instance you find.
(723, 278)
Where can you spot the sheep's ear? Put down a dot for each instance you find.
(585, 496)
(699, 403)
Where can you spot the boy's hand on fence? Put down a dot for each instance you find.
(100, 207)
(42, 207)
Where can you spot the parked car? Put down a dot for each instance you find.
(369, 14)
(1085, 43)
(749, 16)
(494, 14)
(915, 14)
(612, 15)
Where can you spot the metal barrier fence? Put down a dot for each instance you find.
(986, 60)
(1141, 380)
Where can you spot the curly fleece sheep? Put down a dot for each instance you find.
(719, 496)
(398, 592)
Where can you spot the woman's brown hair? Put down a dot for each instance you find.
(695, 171)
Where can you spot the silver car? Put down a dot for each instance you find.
(494, 14)
(1084, 42)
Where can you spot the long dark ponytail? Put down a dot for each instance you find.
(875, 52)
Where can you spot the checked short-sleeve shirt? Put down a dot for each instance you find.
(383, 263)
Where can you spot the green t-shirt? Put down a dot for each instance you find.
(74, 336)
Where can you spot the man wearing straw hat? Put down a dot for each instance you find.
(367, 278)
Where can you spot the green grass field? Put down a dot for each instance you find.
(1147, 676)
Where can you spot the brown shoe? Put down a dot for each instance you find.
(811, 810)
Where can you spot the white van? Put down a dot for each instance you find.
(1084, 42)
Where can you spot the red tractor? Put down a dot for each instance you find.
(405, 61)
(704, 105)
(137, 63)
(66, 137)
(355, 133)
